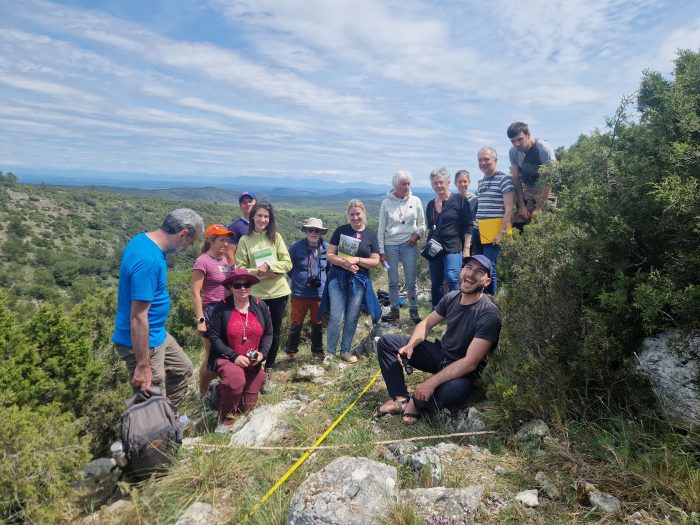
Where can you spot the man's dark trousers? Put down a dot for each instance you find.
(428, 357)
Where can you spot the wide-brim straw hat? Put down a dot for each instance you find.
(313, 222)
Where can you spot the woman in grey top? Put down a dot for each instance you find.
(401, 224)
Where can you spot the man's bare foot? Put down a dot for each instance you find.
(410, 413)
(393, 406)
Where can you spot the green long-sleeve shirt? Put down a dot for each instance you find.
(257, 245)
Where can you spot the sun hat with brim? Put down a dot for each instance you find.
(240, 274)
(482, 260)
(217, 229)
(313, 222)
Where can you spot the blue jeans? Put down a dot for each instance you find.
(446, 267)
(491, 251)
(408, 255)
(345, 303)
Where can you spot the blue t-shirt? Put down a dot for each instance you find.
(142, 277)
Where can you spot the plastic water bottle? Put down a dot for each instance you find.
(181, 426)
(386, 266)
(117, 450)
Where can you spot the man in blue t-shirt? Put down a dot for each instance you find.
(473, 326)
(152, 356)
(239, 227)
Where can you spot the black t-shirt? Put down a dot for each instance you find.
(481, 320)
(355, 244)
(450, 226)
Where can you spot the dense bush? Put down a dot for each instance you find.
(619, 260)
(42, 451)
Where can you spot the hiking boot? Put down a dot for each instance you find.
(318, 356)
(348, 357)
(393, 315)
(415, 317)
(291, 357)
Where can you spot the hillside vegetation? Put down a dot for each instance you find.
(618, 261)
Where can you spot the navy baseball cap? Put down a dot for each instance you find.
(246, 195)
(482, 260)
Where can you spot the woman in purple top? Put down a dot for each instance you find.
(208, 275)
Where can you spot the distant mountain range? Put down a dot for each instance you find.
(299, 191)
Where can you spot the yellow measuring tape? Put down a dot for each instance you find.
(306, 454)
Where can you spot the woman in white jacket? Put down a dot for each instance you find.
(401, 224)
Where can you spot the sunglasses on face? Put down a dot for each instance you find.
(313, 230)
(238, 286)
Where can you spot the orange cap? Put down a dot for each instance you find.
(217, 229)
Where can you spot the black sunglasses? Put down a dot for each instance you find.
(313, 230)
(238, 286)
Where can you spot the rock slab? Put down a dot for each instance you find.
(528, 498)
(672, 363)
(534, 428)
(348, 491)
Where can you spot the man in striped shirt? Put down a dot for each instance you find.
(496, 196)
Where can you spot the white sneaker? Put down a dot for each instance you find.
(348, 357)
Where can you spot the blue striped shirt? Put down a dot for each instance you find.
(491, 191)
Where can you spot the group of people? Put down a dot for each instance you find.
(240, 286)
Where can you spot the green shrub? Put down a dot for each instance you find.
(42, 454)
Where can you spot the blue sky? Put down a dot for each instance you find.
(336, 89)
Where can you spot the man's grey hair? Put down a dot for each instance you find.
(440, 172)
(491, 150)
(399, 177)
(183, 219)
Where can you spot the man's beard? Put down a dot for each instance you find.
(473, 288)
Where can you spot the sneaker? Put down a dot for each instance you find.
(319, 356)
(393, 315)
(291, 357)
(348, 357)
(415, 317)
(266, 387)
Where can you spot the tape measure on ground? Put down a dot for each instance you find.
(306, 454)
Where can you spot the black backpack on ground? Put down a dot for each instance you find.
(149, 432)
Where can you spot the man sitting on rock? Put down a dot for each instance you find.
(473, 325)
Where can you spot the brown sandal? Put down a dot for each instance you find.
(397, 407)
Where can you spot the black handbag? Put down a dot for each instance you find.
(432, 250)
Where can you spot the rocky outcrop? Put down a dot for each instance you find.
(348, 491)
(458, 504)
(671, 361)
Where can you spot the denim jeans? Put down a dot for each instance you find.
(345, 303)
(446, 267)
(491, 251)
(429, 357)
(408, 255)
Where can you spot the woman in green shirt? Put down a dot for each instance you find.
(263, 253)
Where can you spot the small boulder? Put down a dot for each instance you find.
(198, 513)
(426, 460)
(534, 428)
(402, 448)
(501, 471)
(547, 486)
(313, 373)
(265, 425)
(604, 502)
(528, 498)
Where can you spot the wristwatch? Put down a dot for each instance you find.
(201, 320)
